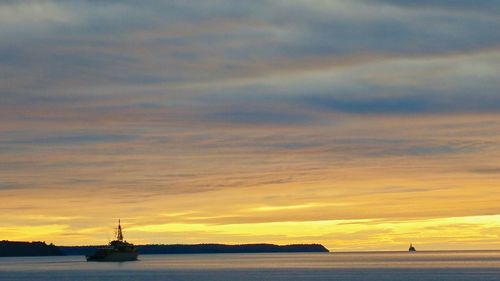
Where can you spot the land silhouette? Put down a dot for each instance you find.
(37, 248)
(11, 248)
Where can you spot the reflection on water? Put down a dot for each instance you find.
(484, 265)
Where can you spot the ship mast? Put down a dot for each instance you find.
(119, 234)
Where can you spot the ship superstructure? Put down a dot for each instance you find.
(117, 250)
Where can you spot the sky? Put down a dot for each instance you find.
(361, 125)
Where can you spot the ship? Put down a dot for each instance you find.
(412, 249)
(118, 250)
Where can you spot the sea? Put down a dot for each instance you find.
(394, 266)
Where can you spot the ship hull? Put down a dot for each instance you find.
(114, 257)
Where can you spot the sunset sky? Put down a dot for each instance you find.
(361, 125)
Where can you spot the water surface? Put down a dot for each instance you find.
(456, 266)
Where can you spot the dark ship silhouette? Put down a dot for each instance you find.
(117, 250)
(412, 249)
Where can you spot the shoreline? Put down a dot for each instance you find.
(13, 249)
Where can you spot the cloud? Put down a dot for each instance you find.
(411, 104)
(462, 83)
(32, 13)
(259, 117)
(69, 140)
(386, 105)
(9, 185)
(486, 170)
(483, 6)
(362, 107)
(185, 41)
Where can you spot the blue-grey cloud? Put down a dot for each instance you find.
(485, 6)
(244, 116)
(69, 139)
(186, 63)
(97, 42)
(409, 104)
(412, 104)
(9, 185)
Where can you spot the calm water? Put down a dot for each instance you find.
(444, 266)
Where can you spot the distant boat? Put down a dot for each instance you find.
(117, 250)
(412, 249)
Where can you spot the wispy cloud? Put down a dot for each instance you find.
(71, 139)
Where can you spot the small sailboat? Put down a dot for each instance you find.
(412, 249)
